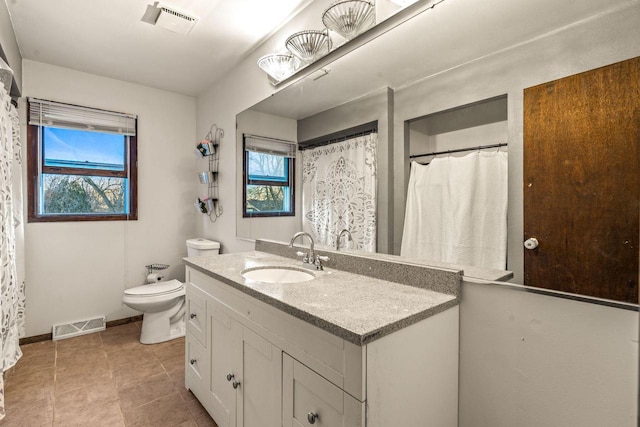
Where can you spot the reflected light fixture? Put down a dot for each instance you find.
(309, 45)
(349, 17)
(279, 66)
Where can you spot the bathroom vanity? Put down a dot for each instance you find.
(341, 349)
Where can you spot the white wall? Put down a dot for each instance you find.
(76, 270)
(532, 360)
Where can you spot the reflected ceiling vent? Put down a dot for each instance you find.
(169, 18)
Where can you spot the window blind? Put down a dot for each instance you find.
(277, 147)
(55, 114)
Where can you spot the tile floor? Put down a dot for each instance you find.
(102, 379)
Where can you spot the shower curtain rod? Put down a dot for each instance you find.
(343, 135)
(459, 150)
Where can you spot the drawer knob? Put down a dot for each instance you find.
(236, 384)
(230, 377)
(193, 315)
(193, 361)
(312, 417)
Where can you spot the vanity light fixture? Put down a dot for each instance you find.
(309, 45)
(349, 17)
(279, 66)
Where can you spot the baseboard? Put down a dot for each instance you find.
(48, 337)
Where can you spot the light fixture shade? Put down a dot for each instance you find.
(349, 17)
(309, 45)
(279, 66)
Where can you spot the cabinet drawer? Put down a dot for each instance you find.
(196, 315)
(196, 373)
(308, 399)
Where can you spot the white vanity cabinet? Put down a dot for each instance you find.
(234, 372)
(256, 365)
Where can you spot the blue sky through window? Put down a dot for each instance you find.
(87, 149)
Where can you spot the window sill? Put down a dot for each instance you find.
(82, 218)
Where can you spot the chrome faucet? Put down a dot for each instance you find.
(310, 257)
(343, 232)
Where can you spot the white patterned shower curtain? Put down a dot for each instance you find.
(339, 192)
(12, 297)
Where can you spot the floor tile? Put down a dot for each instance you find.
(144, 391)
(139, 370)
(130, 356)
(170, 350)
(167, 411)
(103, 379)
(69, 379)
(34, 362)
(75, 401)
(104, 415)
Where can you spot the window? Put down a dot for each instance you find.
(81, 163)
(268, 177)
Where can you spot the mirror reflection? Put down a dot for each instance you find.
(424, 112)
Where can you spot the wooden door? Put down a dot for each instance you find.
(582, 182)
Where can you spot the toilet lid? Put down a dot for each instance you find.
(160, 288)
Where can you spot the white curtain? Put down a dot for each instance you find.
(457, 210)
(339, 192)
(12, 300)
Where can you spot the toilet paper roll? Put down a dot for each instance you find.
(154, 278)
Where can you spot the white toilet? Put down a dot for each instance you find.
(162, 303)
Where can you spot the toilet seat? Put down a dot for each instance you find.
(170, 287)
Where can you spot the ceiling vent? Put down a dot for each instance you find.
(169, 18)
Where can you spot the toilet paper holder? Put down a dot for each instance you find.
(156, 267)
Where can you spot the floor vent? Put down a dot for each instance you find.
(82, 327)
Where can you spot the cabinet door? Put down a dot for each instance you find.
(225, 336)
(308, 398)
(197, 313)
(260, 397)
(196, 368)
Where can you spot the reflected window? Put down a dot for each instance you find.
(268, 177)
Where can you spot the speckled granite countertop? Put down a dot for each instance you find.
(358, 308)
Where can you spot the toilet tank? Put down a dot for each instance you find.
(202, 247)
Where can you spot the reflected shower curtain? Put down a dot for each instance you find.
(12, 300)
(339, 192)
(457, 211)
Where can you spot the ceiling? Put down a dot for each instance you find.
(107, 38)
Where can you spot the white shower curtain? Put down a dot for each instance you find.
(457, 210)
(12, 300)
(339, 192)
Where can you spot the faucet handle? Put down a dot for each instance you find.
(319, 260)
(305, 256)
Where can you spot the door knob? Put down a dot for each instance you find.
(193, 361)
(193, 315)
(235, 384)
(230, 377)
(312, 417)
(531, 243)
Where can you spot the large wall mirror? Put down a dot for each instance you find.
(433, 86)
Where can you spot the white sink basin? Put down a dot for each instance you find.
(277, 274)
